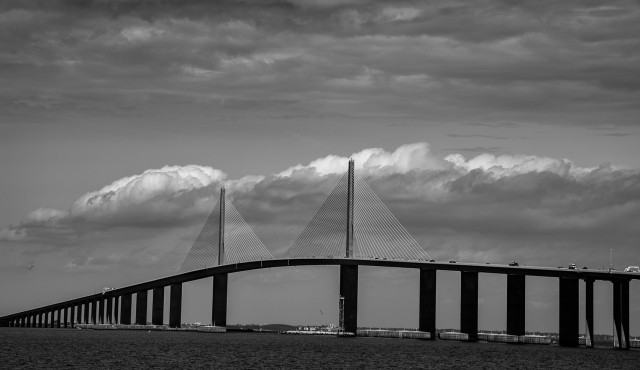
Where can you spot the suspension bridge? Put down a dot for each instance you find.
(352, 228)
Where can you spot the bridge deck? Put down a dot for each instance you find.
(587, 274)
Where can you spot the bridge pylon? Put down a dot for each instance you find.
(354, 211)
(225, 238)
(350, 193)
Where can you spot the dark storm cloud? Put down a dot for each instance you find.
(546, 58)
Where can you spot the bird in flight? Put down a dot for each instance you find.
(31, 267)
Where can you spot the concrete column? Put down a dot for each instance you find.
(588, 317)
(516, 304)
(59, 317)
(85, 315)
(125, 316)
(427, 315)
(469, 304)
(109, 318)
(569, 322)
(64, 316)
(219, 311)
(621, 314)
(94, 311)
(101, 308)
(157, 308)
(349, 291)
(624, 312)
(46, 319)
(116, 310)
(72, 315)
(141, 307)
(175, 305)
(40, 319)
(29, 321)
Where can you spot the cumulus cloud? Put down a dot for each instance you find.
(479, 207)
(171, 195)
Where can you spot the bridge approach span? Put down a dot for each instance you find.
(588, 274)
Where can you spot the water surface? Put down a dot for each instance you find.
(72, 348)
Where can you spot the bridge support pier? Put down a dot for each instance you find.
(175, 306)
(59, 317)
(569, 322)
(588, 307)
(157, 308)
(621, 314)
(101, 304)
(64, 317)
(141, 307)
(469, 304)
(125, 315)
(109, 317)
(73, 310)
(349, 291)
(94, 311)
(427, 315)
(116, 309)
(516, 304)
(85, 315)
(219, 310)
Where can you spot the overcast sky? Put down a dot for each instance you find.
(493, 130)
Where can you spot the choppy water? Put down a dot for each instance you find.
(59, 348)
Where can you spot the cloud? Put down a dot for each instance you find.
(531, 60)
(481, 208)
(171, 195)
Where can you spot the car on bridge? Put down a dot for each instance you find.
(632, 269)
(452, 261)
(514, 264)
(572, 266)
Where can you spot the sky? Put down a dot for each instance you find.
(493, 130)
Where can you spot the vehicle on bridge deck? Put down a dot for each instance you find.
(632, 269)
(514, 264)
(572, 266)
